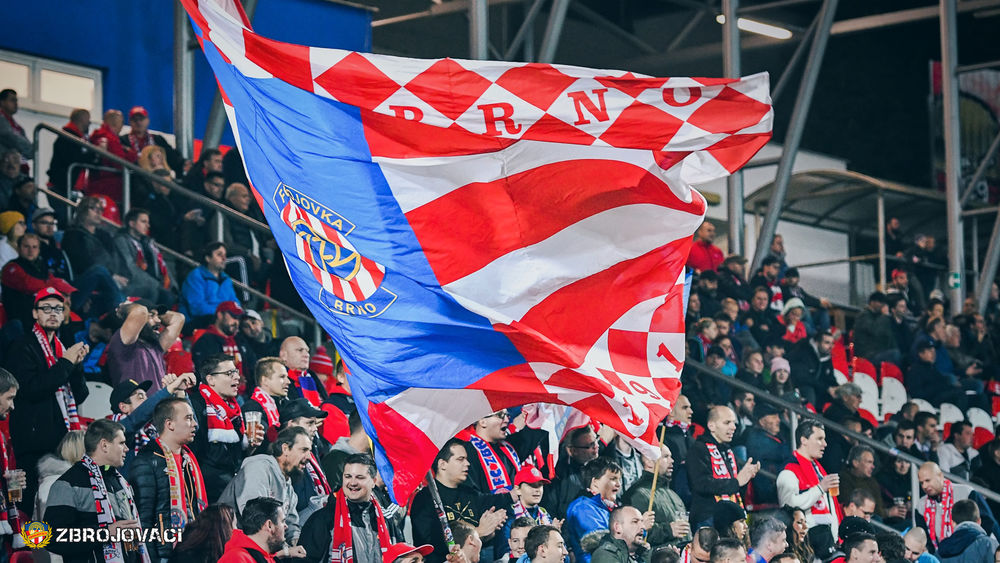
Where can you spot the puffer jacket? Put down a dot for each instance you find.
(612, 550)
(151, 489)
(586, 523)
(968, 542)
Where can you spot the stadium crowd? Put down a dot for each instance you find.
(235, 431)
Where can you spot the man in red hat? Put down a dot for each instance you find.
(51, 382)
(139, 137)
(406, 553)
(220, 336)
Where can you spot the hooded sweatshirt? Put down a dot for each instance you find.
(241, 549)
(261, 476)
(50, 468)
(968, 542)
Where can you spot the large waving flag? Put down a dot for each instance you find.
(474, 234)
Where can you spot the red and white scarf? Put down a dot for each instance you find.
(113, 551)
(145, 435)
(724, 467)
(140, 260)
(676, 423)
(270, 407)
(521, 511)
(499, 480)
(946, 501)
(341, 547)
(187, 486)
(8, 510)
(307, 385)
(229, 347)
(225, 419)
(809, 473)
(138, 143)
(320, 485)
(64, 395)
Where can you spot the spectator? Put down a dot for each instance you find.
(768, 278)
(205, 538)
(270, 475)
(730, 520)
(728, 550)
(66, 153)
(916, 546)
(207, 286)
(939, 500)
(155, 196)
(253, 340)
(712, 469)
(969, 541)
(139, 138)
(846, 403)
(219, 337)
(82, 498)
(791, 318)
(44, 223)
(491, 447)
(816, 316)
(919, 258)
(670, 525)
(529, 487)
(770, 449)
(708, 293)
(209, 162)
(704, 254)
(221, 438)
(677, 437)
(11, 133)
(701, 546)
(804, 484)
(24, 196)
(925, 381)
(310, 484)
(861, 548)
(957, 455)
(52, 466)
(901, 323)
(587, 516)
(12, 226)
(873, 333)
(361, 528)
(781, 379)
(743, 404)
(753, 368)
(459, 500)
(768, 540)
(894, 480)
(90, 247)
(798, 543)
(405, 553)
(732, 281)
(8, 526)
(900, 287)
(894, 244)
(860, 504)
(927, 435)
(468, 541)
(626, 457)
(106, 138)
(136, 350)
(859, 476)
(811, 365)
(890, 547)
(193, 232)
(777, 250)
(518, 533)
(134, 411)
(839, 445)
(149, 275)
(270, 389)
(166, 479)
(26, 275)
(626, 540)
(10, 171)
(262, 532)
(295, 353)
(356, 443)
(241, 239)
(760, 319)
(51, 384)
(989, 471)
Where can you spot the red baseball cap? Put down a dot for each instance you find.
(529, 475)
(138, 110)
(398, 550)
(47, 293)
(231, 307)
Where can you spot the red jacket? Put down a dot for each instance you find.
(238, 548)
(705, 256)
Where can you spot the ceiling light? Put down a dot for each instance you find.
(757, 27)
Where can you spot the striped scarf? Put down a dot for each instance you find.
(306, 385)
(140, 260)
(270, 407)
(341, 546)
(946, 501)
(224, 418)
(64, 395)
(145, 435)
(113, 551)
(320, 485)
(187, 486)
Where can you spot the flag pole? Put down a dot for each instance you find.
(656, 473)
(449, 538)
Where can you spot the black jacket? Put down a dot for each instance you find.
(174, 159)
(37, 425)
(808, 370)
(317, 532)
(65, 153)
(151, 489)
(219, 461)
(705, 485)
(85, 249)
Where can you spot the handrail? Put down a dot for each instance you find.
(188, 260)
(134, 169)
(876, 445)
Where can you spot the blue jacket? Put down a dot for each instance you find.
(202, 292)
(968, 542)
(586, 523)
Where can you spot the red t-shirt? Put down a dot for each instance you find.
(705, 256)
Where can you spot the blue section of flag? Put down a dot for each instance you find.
(424, 333)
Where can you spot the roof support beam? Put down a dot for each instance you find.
(613, 28)
(525, 32)
(905, 16)
(953, 156)
(795, 129)
(453, 7)
(734, 182)
(553, 31)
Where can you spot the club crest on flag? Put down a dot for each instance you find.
(351, 283)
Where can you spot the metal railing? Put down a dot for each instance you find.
(801, 412)
(127, 170)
